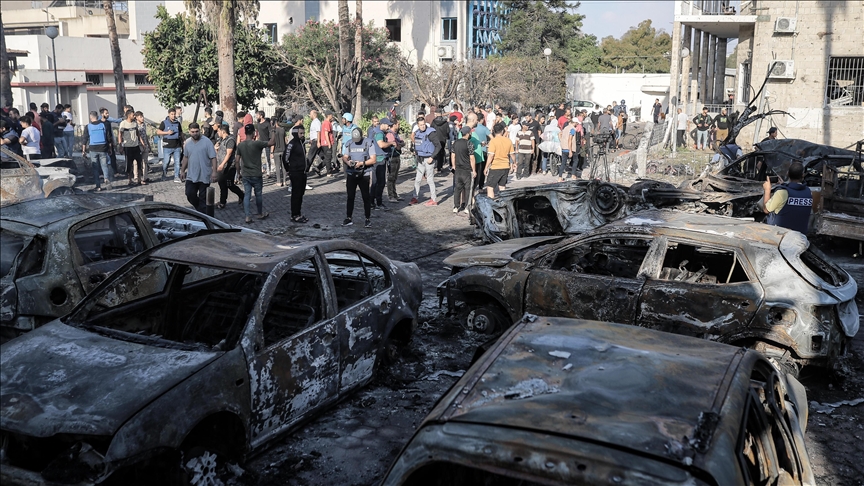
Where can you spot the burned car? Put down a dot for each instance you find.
(197, 352)
(54, 251)
(568, 207)
(22, 180)
(715, 277)
(562, 401)
(739, 185)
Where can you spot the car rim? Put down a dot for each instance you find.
(203, 470)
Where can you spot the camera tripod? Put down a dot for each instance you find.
(601, 143)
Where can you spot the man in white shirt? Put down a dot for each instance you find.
(68, 130)
(30, 138)
(314, 129)
(681, 128)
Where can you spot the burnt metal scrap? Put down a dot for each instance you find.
(230, 338)
(21, 180)
(562, 401)
(707, 276)
(56, 250)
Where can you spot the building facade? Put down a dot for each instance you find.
(812, 54)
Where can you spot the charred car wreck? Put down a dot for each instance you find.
(197, 352)
(736, 190)
(713, 277)
(54, 251)
(560, 401)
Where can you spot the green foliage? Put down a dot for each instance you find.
(586, 54)
(182, 59)
(641, 49)
(535, 25)
(312, 72)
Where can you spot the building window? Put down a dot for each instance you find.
(272, 33)
(94, 79)
(142, 80)
(125, 77)
(746, 90)
(394, 29)
(844, 85)
(448, 29)
(312, 10)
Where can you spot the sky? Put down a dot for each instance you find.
(604, 18)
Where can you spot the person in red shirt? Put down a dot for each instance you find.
(245, 119)
(564, 119)
(325, 141)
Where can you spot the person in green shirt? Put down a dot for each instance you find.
(248, 164)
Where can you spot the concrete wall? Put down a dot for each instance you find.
(639, 90)
(824, 29)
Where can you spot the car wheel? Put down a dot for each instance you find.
(205, 467)
(61, 191)
(486, 319)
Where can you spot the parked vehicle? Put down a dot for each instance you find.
(841, 211)
(53, 251)
(230, 338)
(562, 401)
(21, 180)
(716, 277)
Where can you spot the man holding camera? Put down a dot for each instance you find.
(359, 157)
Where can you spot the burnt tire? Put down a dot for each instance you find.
(487, 319)
(61, 191)
(204, 466)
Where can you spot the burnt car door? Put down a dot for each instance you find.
(597, 278)
(363, 291)
(293, 349)
(101, 245)
(698, 289)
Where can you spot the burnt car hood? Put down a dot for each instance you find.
(496, 254)
(60, 379)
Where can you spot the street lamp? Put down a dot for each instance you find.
(547, 52)
(52, 34)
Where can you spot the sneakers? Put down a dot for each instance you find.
(348, 222)
(308, 187)
(455, 210)
(393, 199)
(414, 201)
(178, 181)
(430, 202)
(382, 207)
(368, 223)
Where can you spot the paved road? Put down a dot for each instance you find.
(355, 441)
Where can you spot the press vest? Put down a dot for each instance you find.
(422, 144)
(97, 133)
(358, 152)
(169, 125)
(795, 214)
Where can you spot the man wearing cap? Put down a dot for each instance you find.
(359, 158)
(703, 123)
(772, 134)
(383, 153)
(463, 164)
(347, 127)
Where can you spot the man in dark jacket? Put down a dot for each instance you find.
(295, 164)
(792, 203)
(441, 126)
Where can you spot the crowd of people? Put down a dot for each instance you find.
(38, 134)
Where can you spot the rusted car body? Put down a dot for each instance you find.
(568, 207)
(21, 180)
(53, 251)
(199, 351)
(842, 203)
(562, 401)
(707, 276)
(736, 190)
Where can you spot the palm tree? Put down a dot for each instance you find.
(223, 15)
(358, 57)
(119, 84)
(5, 72)
(344, 57)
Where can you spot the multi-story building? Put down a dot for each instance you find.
(812, 54)
(85, 71)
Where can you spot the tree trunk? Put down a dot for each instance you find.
(119, 84)
(344, 58)
(358, 59)
(225, 51)
(5, 72)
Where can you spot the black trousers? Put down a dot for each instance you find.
(313, 152)
(461, 188)
(196, 194)
(380, 182)
(298, 189)
(439, 159)
(681, 142)
(134, 163)
(226, 183)
(351, 184)
(392, 173)
(480, 181)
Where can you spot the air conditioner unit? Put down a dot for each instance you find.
(782, 70)
(445, 52)
(785, 25)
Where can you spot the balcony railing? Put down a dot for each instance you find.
(707, 7)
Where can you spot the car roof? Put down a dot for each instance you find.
(623, 386)
(42, 212)
(732, 231)
(243, 252)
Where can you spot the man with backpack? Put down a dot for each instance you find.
(172, 137)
